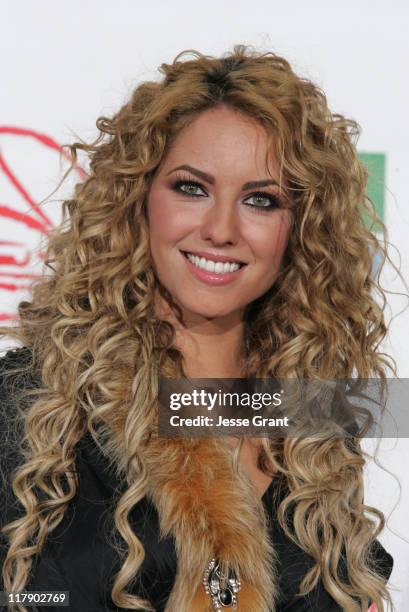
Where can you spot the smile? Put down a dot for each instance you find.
(213, 266)
(212, 272)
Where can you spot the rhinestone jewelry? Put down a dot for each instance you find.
(221, 588)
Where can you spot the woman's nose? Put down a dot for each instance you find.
(220, 223)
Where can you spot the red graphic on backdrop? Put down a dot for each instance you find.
(13, 280)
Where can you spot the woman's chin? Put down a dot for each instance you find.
(196, 312)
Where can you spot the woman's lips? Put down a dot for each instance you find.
(212, 278)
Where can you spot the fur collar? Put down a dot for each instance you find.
(210, 513)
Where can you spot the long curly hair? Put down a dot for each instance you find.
(99, 348)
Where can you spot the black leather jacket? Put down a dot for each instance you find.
(79, 556)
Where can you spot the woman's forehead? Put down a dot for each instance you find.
(224, 140)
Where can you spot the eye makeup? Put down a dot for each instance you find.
(185, 186)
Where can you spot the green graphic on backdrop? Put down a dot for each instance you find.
(375, 163)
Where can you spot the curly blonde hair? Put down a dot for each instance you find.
(99, 348)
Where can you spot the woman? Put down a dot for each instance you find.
(219, 234)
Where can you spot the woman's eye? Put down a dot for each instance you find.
(262, 200)
(190, 188)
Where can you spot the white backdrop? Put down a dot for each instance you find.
(66, 63)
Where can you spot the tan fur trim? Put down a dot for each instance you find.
(211, 513)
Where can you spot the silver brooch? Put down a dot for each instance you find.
(221, 588)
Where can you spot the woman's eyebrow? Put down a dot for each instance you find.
(210, 179)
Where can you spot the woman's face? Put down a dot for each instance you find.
(215, 198)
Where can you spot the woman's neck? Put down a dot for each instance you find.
(211, 348)
(215, 355)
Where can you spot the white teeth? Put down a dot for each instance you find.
(212, 266)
